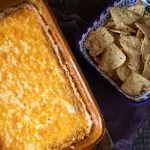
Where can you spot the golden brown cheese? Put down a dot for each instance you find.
(38, 108)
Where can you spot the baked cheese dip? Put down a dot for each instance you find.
(39, 107)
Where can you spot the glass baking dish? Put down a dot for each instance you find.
(98, 129)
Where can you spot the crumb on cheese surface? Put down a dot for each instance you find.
(37, 104)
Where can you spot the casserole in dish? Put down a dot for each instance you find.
(44, 99)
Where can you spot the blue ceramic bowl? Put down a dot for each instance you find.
(100, 20)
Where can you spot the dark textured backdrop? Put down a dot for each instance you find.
(73, 16)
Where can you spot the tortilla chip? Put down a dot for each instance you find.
(139, 34)
(98, 41)
(112, 58)
(123, 15)
(138, 9)
(145, 49)
(123, 72)
(132, 47)
(89, 43)
(134, 84)
(105, 38)
(144, 28)
(147, 20)
(134, 62)
(125, 28)
(130, 44)
(146, 72)
(121, 28)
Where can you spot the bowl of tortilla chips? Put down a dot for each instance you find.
(117, 45)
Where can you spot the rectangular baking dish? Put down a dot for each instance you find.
(98, 129)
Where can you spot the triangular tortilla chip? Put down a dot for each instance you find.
(123, 15)
(138, 9)
(144, 28)
(134, 62)
(145, 48)
(130, 44)
(146, 72)
(112, 58)
(89, 43)
(123, 72)
(121, 28)
(98, 41)
(134, 84)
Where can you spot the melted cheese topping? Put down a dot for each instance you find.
(38, 108)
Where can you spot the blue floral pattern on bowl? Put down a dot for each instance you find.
(100, 20)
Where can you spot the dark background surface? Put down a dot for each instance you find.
(73, 16)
